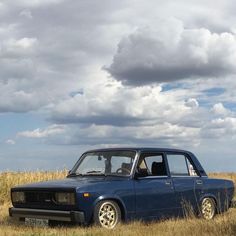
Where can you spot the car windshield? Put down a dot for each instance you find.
(105, 163)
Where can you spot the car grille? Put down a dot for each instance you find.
(41, 198)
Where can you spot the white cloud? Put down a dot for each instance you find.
(14, 47)
(121, 106)
(219, 109)
(220, 129)
(34, 3)
(19, 101)
(58, 56)
(48, 56)
(10, 141)
(43, 133)
(25, 43)
(192, 102)
(228, 123)
(163, 134)
(26, 13)
(151, 55)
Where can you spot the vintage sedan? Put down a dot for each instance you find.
(107, 186)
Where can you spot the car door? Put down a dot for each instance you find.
(185, 181)
(155, 196)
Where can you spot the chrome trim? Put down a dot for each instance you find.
(155, 177)
(135, 163)
(185, 176)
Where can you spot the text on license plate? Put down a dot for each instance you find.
(36, 222)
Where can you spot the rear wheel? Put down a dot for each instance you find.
(107, 214)
(208, 208)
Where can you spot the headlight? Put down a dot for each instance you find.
(18, 197)
(65, 198)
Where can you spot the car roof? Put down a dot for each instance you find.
(139, 149)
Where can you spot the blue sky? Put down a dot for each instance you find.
(77, 75)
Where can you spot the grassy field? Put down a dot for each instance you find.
(224, 224)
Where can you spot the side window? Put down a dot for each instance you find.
(152, 165)
(179, 165)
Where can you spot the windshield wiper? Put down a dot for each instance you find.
(95, 172)
(100, 173)
(74, 175)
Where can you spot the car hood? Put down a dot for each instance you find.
(68, 183)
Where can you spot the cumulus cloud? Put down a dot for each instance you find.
(112, 113)
(50, 55)
(41, 65)
(10, 141)
(43, 133)
(229, 123)
(117, 115)
(26, 13)
(152, 56)
(114, 104)
(23, 43)
(163, 134)
(220, 128)
(15, 48)
(219, 109)
(34, 3)
(192, 102)
(19, 101)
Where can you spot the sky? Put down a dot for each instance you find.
(79, 75)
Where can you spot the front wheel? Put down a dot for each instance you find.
(208, 208)
(107, 214)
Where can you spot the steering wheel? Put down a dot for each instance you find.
(120, 170)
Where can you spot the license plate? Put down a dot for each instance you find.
(36, 222)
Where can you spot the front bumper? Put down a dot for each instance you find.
(66, 216)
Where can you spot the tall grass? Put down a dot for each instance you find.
(230, 176)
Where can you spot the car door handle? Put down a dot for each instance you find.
(198, 182)
(168, 182)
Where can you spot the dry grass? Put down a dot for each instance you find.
(231, 176)
(221, 225)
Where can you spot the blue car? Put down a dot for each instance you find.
(107, 186)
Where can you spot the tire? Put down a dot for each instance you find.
(107, 214)
(208, 208)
